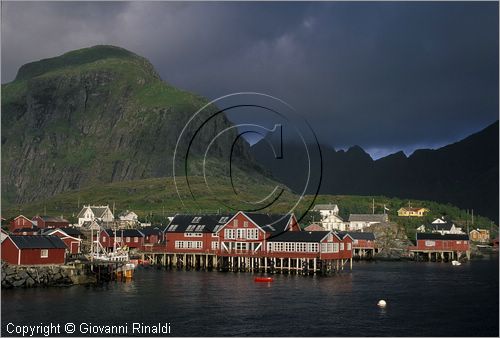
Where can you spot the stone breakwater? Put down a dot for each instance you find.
(15, 276)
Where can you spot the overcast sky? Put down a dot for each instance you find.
(385, 76)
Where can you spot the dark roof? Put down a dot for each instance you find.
(197, 223)
(72, 231)
(52, 219)
(152, 230)
(68, 231)
(300, 236)
(439, 226)
(124, 233)
(437, 236)
(367, 236)
(34, 228)
(38, 242)
(275, 224)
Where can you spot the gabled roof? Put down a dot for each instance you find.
(314, 227)
(97, 210)
(52, 219)
(22, 217)
(38, 242)
(272, 223)
(152, 230)
(380, 218)
(300, 236)
(197, 223)
(325, 207)
(412, 209)
(124, 233)
(439, 226)
(367, 236)
(68, 231)
(32, 229)
(438, 236)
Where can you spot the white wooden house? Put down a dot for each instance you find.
(330, 219)
(91, 213)
(360, 221)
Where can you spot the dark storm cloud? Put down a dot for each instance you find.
(386, 76)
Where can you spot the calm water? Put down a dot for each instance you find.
(424, 299)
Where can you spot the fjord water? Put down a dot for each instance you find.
(423, 299)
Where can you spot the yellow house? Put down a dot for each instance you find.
(480, 235)
(412, 212)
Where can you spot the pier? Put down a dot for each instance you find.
(244, 263)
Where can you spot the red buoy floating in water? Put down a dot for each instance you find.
(263, 279)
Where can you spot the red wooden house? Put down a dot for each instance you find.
(364, 243)
(154, 239)
(438, 242)
(132, 238)
(325, 245)
(245, 234)
(194, 233)
(33, 250)
(73, 243)
(43, 222)
(20, 222)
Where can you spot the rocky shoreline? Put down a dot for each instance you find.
(18, 276)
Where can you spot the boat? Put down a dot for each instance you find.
(456, 263)
(125, 266)
(263, 279)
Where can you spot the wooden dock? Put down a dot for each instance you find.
(241, 263)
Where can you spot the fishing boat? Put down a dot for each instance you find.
(98, 254)
(263, 279)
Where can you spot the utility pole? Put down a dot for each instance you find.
(373, 205)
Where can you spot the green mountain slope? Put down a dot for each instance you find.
(155, 199)
(94, 116)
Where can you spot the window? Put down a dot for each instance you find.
(229, 233)
(341, 246)
(104, 238)
(173, 227)
(196, 219)
(44, 253)
(245, 224)
(215, 245)
(241, 233)
(430, 243)
(349, 246)
(223, 219)
(191, 227)
(127, 239)
(215, 235)
(199, 228)
(235, 223)
(136, 239)
(252, 234)
(335, 247)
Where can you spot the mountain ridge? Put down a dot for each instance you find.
(464, 173)
(97, 115)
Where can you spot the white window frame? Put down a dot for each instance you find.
(44, 253)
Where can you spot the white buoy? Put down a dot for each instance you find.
(381, 303)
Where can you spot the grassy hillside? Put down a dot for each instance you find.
(94, 116)
(155, 199)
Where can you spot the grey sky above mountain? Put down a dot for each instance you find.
(385, 76)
